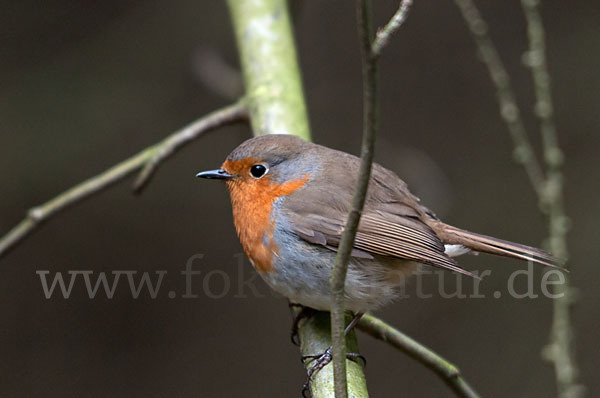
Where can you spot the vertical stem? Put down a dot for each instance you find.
(370, 51)
(338, 276)
(276, 105)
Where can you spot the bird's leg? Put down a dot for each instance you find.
(321, 360)
(353, 323)
(305, 312)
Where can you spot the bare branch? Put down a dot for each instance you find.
(561, 349)
(170, 145)
(549, 188)
(338, 274)
(509, 110)
(448, 372)
(37, 215)
(384, 34)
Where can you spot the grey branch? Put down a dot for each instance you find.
(171, 144)
(151, 155)
(384, 34)
(509, 110)
(370, 54)
(561, 349)
(448, 372)
(549, 187)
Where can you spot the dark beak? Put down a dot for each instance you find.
(218, 174)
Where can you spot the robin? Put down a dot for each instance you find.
(290, 201)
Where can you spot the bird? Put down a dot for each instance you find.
(290, 200)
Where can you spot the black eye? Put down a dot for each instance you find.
(258, 170)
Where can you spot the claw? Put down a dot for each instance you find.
(306, 393)
(322, 360)
(305, 312)
(354, 356)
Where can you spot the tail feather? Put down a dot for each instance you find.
(488, 244)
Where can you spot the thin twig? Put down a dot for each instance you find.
(338, 274)
(171, 144)
(561, 349)
(448, 372)
(384, 34)
(37, 215)
(550, 188)
(509, 110)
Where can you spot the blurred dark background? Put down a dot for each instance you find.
(85, 84)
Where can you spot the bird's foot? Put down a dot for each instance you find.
(322, 360)
(305, 312)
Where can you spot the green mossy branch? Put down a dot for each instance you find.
(276, 105)
(270, 67)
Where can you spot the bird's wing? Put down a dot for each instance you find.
(402, 239)
(391, 223)
(379, 233)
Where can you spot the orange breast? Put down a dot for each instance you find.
(252, 204)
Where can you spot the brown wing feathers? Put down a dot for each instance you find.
(379, 236)
(488, 244)
(419, 236)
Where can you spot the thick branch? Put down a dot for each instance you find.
(448, 372)
(315, 335)
(37, 215)
(274, 91)
(509, 110)
(370, 53)
(561, 349)
(270, 67)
